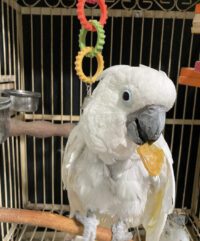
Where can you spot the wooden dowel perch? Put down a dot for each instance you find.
(40, 129)
(49, 220)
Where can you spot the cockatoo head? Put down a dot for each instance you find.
(127, 108)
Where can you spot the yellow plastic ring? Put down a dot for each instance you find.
(79, 61)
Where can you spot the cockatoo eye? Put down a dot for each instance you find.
(126, 96)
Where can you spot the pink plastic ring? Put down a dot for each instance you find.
(83, 20)
(91, 1)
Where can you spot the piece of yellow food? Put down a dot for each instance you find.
(152, 157)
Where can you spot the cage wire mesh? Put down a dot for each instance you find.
(38, 45)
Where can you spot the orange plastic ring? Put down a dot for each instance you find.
(79, 61)
(83, 20)
(91, 1)
(197, 8)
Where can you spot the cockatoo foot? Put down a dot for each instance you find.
(90, 223)
(120, 232)
(69, 237)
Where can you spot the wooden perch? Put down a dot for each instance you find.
(49, 220)
(40, 129)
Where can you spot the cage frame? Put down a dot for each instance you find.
(17, 80)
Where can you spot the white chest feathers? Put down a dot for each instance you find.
(119, 190)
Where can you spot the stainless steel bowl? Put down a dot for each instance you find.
(21, 100)
(5, 104)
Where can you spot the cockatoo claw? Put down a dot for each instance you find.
(120, 232)
(90, 223)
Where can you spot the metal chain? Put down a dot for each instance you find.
(88, 89)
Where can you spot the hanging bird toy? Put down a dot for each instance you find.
(93, 26)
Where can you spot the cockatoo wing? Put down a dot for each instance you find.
(160, 202)
(73, 150)
(75, 146)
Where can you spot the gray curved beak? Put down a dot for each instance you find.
(146, 125)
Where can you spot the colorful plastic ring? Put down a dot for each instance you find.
(91, 1)
(83, 20)
(100, 38)
(78, 65)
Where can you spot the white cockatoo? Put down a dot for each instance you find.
(104, 172)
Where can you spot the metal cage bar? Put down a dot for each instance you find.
(10, 183)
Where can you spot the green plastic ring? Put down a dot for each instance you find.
(100, 38)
